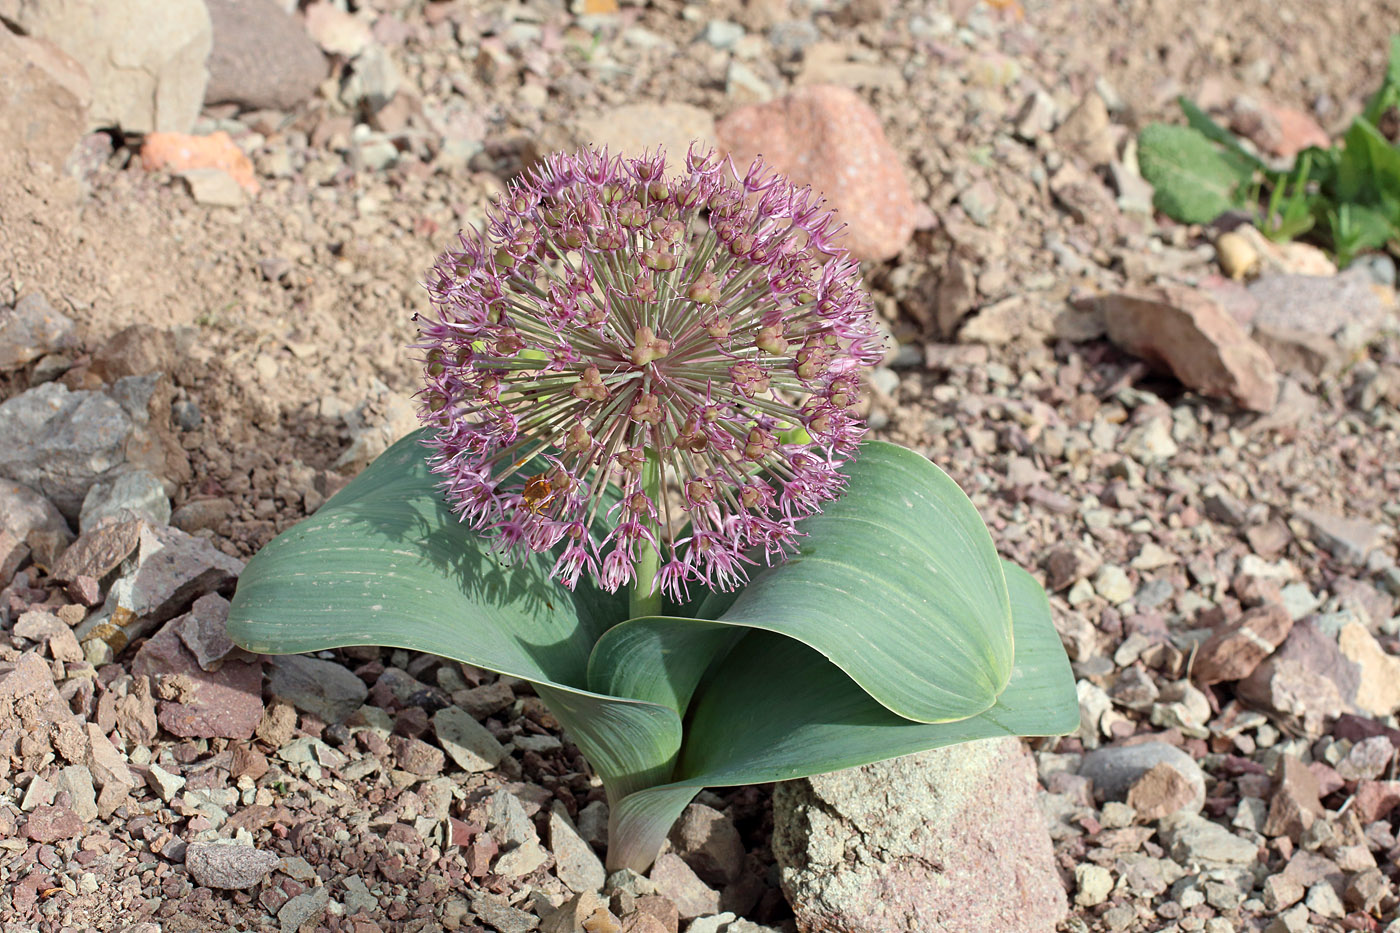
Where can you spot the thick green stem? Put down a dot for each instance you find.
(638, 825)
(646, 595)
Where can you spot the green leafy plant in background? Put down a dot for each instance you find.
(636, 387)
(1346, 197)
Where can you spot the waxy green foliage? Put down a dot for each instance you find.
(1346, 197)
(896, 628)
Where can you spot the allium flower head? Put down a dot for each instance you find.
(611, 324)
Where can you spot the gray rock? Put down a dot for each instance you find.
(715, 923)
(948, 840)
(262, 56)
(40, 626)
(324, 688)
(23, 510)
(1322, 305)
(499, 915)
(722, 34)
(1349, 540)
(593, 823)
(165, 784)
(120, 498)
(372, 81)
(575, 862)
(145, 57)
(302, 909)
(521, 852)
(76, 781)
(32, 328)
(214, 187)
(60, 442)
(1193, 840)
(1116, 768)
(357, 896)
(376, 423)
(466, 740)
(227, 866)
(170, 572)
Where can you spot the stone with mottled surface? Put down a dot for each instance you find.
(940, 842)
(60, 442)
(228, 867)
(50, 824)
(829, 138)
(1188, 333)
(195, 703)
(1235, 649)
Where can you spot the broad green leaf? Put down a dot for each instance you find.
(385, 562)
(778, 710)
(658, 659)
(899, 584)
(631, 745)
(1193, 182)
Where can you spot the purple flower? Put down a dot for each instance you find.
(610, 316)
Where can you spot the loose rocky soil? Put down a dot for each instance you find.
(1223, 578)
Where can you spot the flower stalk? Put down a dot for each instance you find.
(645, 598)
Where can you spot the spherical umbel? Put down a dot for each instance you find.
(612, 324)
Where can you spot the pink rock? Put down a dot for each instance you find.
(226, 703)
(1375, 800)
(50, 824)
(1188, 333)
(949, 840)
(829, 138)
(1308, 677)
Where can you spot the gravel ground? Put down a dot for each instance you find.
(1222, 572)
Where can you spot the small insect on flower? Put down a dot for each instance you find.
(657, 340)
(538, 494)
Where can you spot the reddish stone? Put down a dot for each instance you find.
(247, 762)
(1375, 799)
(1328, 780)
(195, 703)
(98, 552)
(830, 139)
(1188, 333)
(1307, 677)
(1161, 791)
(1234, 650)
(50, 824)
